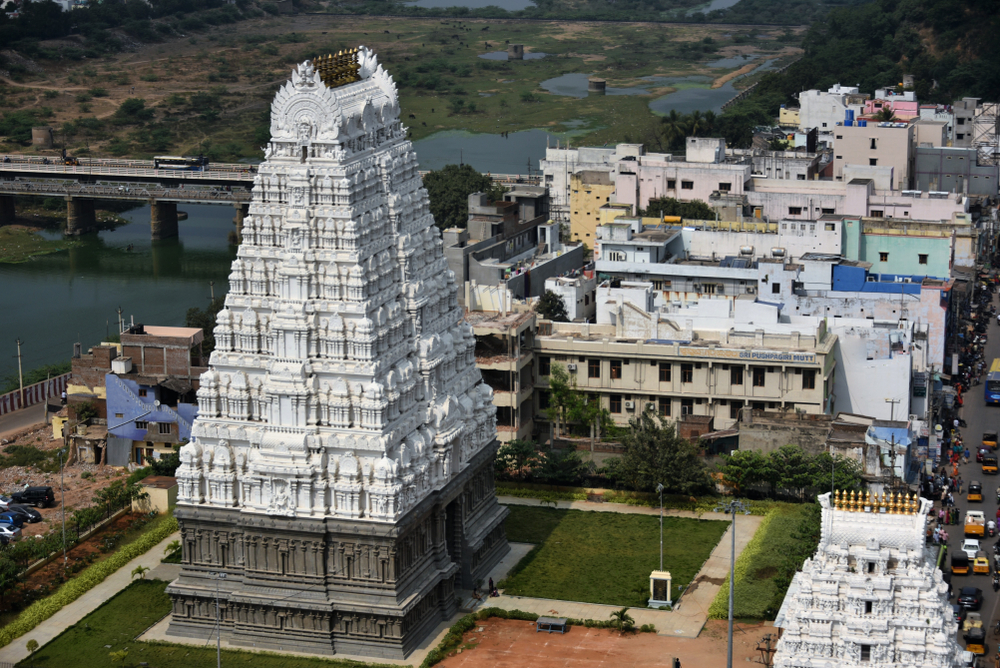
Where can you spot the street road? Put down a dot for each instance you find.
(980, 418)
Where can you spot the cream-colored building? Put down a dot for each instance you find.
(716, 368)
(875, 145)
(788, 117)
(589, 191)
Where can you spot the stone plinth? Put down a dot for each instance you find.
(163, 219)
(598, 86)
(80, 216)
(660, 595)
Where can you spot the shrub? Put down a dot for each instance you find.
(41, 610)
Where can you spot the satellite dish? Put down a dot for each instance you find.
(156, 403)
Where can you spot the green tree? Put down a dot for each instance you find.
(654, 453)
(32, 647)
(172, 546)
(517, 460)
(140, 571)
(448, 190)
(563, 397)
(551, 307)
(885, 115)
(623, 621)
(674, 129)
(10, 574)
(743, 469)
(132, 112)
(668, 206)
(587, 410)
(119, 656)
(205, 319)
(791, 470)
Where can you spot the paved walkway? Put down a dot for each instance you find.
(688, 616)
(17, 421)
(81, 607)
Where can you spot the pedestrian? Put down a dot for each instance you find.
(941, 515)
(64, 403)
(960, 484)
(491, 585)
(965, 457)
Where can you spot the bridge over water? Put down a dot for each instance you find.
(139, 181)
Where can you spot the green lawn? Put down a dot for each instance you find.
(130, 613)
(597, 557)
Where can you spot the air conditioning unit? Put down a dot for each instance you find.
(650, 406)
(752, 290)
(571, 368)
(630, 405)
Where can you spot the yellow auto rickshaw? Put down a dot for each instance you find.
(975, 640)
(981, 564)
(975, 491)
(990, 440)
(959, 563)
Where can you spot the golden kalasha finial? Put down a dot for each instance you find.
(914, 504)
(881, 502)
(868, 501)
(895, 503)
(854, 501)
(835, 500)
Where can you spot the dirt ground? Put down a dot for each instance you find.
(504, 643)
(78, 490)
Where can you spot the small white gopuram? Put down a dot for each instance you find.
(340, 475)
(872, 594)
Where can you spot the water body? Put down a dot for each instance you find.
(575, 85)
(486, 153)
(56, 300)
(702, 98)
(734, 61)
(712, 6)
(502, 55)
(509, 5)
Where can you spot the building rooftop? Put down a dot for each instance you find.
(159, 481)
(193, 334)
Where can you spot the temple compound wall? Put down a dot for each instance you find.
(338, 488)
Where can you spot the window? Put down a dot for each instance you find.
(868, 607)
(800, 177)
(593, 368)
(142, 393)
(616, 369)
(873, 145)
(735, 375)
(809, 379)
(775, 288)
(671, 184)
(840, 136)
(824, 125)
(543, 399)
(616, 256)
(876, 213)
(725, 187)
(140, 424)
(871, 566)
(866, 653)
(164, 427)
(873, 162)
(119, 415)
(922, 258)
(758, 377)
(961, 121)
(829, 227)
(664, 372)
(687, 185)
(664, 404)
(687, 406)
(830, 211)
(544, 366)
(960, 136)
(883, 257)
(687, 373)
(616, 403)
(795, 211)
(734, 410)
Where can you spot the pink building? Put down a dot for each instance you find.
(901, 106)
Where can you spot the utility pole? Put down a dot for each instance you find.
(20, 375)
(730, 509)
(659, 488)
(211, 287)
(121, 328)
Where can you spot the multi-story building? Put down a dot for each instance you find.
(824, 109)
(941, 113)
(964, 111)
(578, 291)
(560, 164)
(711, 361)
(954, 170)
(505, 357)
(591, 190)
(875, 144)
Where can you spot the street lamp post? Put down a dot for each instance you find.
(730, 509)
(659, 489)
(62, 489)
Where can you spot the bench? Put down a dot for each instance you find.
(551, 624)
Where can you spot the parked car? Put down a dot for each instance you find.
(12, 519)
(4, 502)
(29, 512)
(41, 497)
(10, 533)
(971, 598)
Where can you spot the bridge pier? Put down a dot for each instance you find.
(7, 212)
(80, 217)
(163, 219)
(242, 211)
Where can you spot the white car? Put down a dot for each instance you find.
(5, 501)
(970, 546)
(9, 533)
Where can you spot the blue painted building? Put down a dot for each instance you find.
(154, 415)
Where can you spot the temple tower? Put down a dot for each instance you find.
(340, 473)
(872, 594)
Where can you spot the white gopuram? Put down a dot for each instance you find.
(872, 594)
(340, 474)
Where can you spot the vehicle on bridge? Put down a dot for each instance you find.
(199, 163)
(71, 161)
(992, 384)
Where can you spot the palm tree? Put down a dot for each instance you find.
(674, 129)
(140, 571)
(172, 546)
(885, 115)
(696, 124)
(623, 620)
(708, 122)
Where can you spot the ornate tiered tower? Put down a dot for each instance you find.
(341, 469)
(871, 595)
